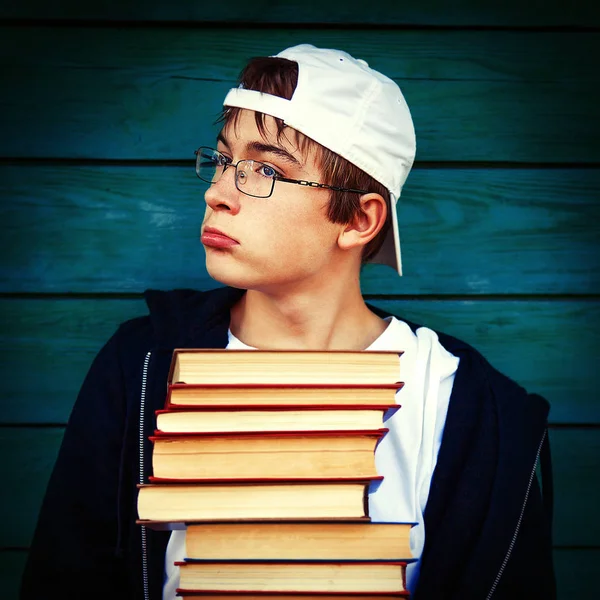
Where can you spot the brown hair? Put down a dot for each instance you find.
(279, 77)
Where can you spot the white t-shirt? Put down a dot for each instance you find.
(407, 454)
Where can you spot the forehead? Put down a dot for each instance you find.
(241, 132)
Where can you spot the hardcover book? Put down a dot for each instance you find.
(258, 456)
(199, 595)
(289, 540)
(313, 577)
(234, 419)
(182, 502)
(200, 366)
(186, 395)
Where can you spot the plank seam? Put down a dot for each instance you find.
(11, 295)
(33, 425)
(188, 163)
(574, 426)
(92, 23)
(545, 297)
(566, 547)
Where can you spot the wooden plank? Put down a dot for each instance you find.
(220, 52)
(124, 229)
(575, 573)
(149, 93)
(31, 453)
(576, 460)
(426, 12)
(57, 340)
(548, 347)
(12, 564)
(576, 463)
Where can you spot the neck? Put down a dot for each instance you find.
(332, 317)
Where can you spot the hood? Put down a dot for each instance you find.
(486, 465)
(190, 318)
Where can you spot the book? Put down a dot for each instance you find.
(288, 419)
(261, 396)
(317, 577)
(202, 366)
(259, 456)
(190, 595)
(181, 502)
(299, 541)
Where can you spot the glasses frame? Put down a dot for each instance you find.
(302, 182)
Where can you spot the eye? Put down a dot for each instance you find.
(221, 160)
(267, 171)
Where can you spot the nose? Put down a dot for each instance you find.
(223, 195)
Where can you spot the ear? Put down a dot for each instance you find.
(366, 224)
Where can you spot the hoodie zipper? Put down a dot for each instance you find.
(514, 538)
(141, 478)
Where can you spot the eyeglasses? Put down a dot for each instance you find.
(252, 177)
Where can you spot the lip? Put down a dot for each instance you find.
(217, 239)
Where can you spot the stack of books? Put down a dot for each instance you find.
(266, 458)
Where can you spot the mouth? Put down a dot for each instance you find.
(214, 238)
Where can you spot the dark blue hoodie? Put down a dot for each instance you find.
(487, 526)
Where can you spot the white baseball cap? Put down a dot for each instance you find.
(354, 111)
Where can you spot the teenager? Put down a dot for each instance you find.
(303, 182)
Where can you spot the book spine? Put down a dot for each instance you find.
(177, 435)
(358, 595)
(171, 408)
(183, 525)
(191, 561)
(268, 481)
(358, 480)
(296, 561)
(312, 386)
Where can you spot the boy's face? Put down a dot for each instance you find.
(282, 242)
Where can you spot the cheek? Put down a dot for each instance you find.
(299, 235)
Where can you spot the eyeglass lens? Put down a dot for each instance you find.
(251, 177)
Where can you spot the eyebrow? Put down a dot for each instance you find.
(265, 148)
(276, 150)
(221, 138)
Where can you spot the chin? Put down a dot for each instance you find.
(247, 278)
(232, 275)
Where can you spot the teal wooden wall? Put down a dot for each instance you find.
(102, 105)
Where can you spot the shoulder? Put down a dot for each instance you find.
(476, 376)
(422, 353)
(180, 317)
(415, 334)
(175, 319)
(172, 315)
